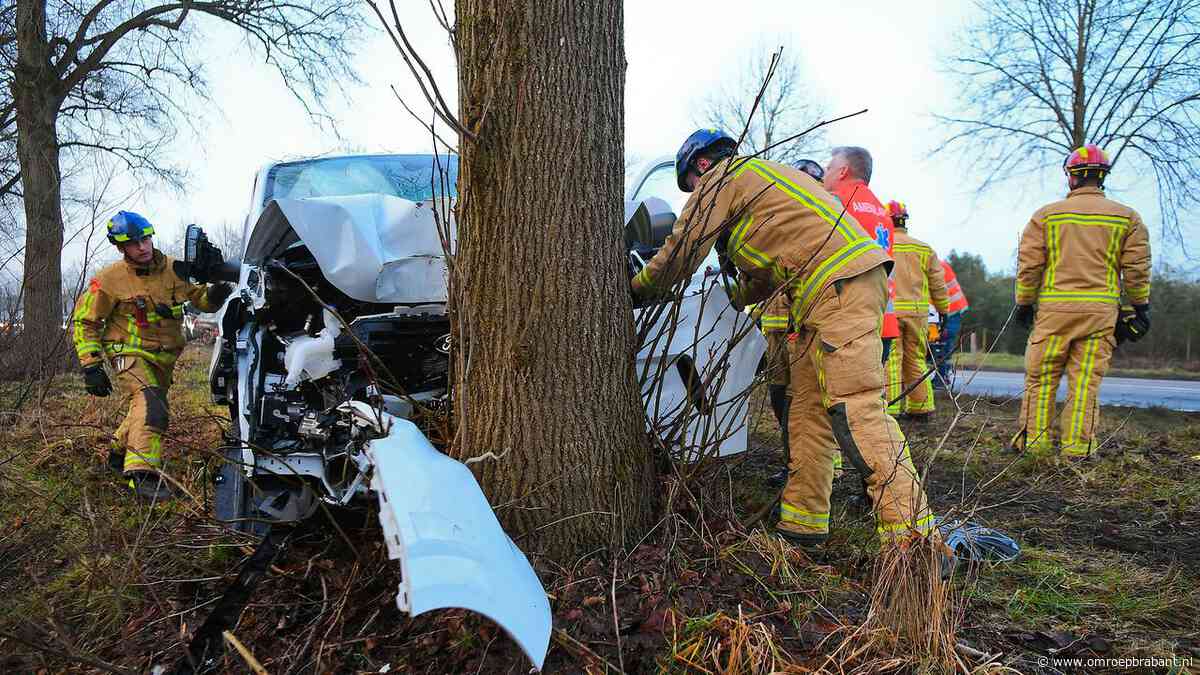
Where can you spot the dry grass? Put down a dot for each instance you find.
(89, 577)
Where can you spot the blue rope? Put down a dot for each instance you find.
(972, 541)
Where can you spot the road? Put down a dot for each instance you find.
(1127, 391)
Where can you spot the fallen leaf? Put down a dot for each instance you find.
(593, 600)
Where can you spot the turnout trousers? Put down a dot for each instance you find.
(837, 384)
(1081, 346)
(145, 381)
(906, 364)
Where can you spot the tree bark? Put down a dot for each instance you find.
(543, 323)
(36, 94)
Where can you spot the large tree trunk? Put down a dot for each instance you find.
(43, 345)
(543, 325)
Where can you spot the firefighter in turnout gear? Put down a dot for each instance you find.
(776, 325)
(131, 316)
(782, 230)
(1076, 259)
(920, 282)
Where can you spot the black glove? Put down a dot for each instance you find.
(217, 294)
(1132, 324)
(1142, 320)
(95, 380)
(1024, 315)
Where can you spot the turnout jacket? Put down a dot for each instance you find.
(1079, 254)
(958, 299)
(135, 310)
(778, 226)
(920, 280)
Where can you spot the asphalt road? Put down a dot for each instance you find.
(1126, 391)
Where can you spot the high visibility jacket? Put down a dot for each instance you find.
(782, 229)
(1081, 253)
(135, 310)
(866, 208)
(958, 299)
(920, 281)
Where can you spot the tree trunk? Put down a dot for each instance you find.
(43, 344)
(543, 323)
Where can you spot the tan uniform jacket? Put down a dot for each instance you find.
(920, 281)
(784, 229)
(1079, 254)
(135, 311)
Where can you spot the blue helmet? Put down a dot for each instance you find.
(698, 142)
(128, 226)
(811, 168)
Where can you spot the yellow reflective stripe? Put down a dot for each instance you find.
(141, 459)
(774, 322)
(643, 278)
(913, 248)
(921, 526)
(135, 333)
(1041, 419)
(817, 280)
(798, 516)
(806, 198)
(1082, 390)
(894, 383)
(1092, 219)
(925, 279)
(82, 344)
(819, 361)
(1111, 260)
(1138, 292)
(1079, 296)
(913, 305)
(752, 256)
(1053, 254)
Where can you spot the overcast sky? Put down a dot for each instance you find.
(876, 55)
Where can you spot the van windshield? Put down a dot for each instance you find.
(416, 178)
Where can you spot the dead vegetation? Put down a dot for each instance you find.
(95, 583)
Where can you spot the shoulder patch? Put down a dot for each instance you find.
(94, 285)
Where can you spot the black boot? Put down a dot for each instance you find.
(807, 542)
(116, 460)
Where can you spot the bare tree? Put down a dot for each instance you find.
(1039, 78)
(115, 76)
(786, 106)
(546, 405)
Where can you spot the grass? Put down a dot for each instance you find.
(1015, 363)
(1108, 551)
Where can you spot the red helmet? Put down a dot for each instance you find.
(898, 212)
(1087, 158)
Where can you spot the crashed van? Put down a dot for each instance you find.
(333, 359)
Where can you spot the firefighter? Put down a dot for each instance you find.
(848, 176)
(775, 323)
(131, 316)
(920, 282)
(782, 230)
(1077, 257)
(947, 343)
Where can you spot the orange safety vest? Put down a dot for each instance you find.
(958, 301)
(866, 208)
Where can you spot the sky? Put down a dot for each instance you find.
(854, 55)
